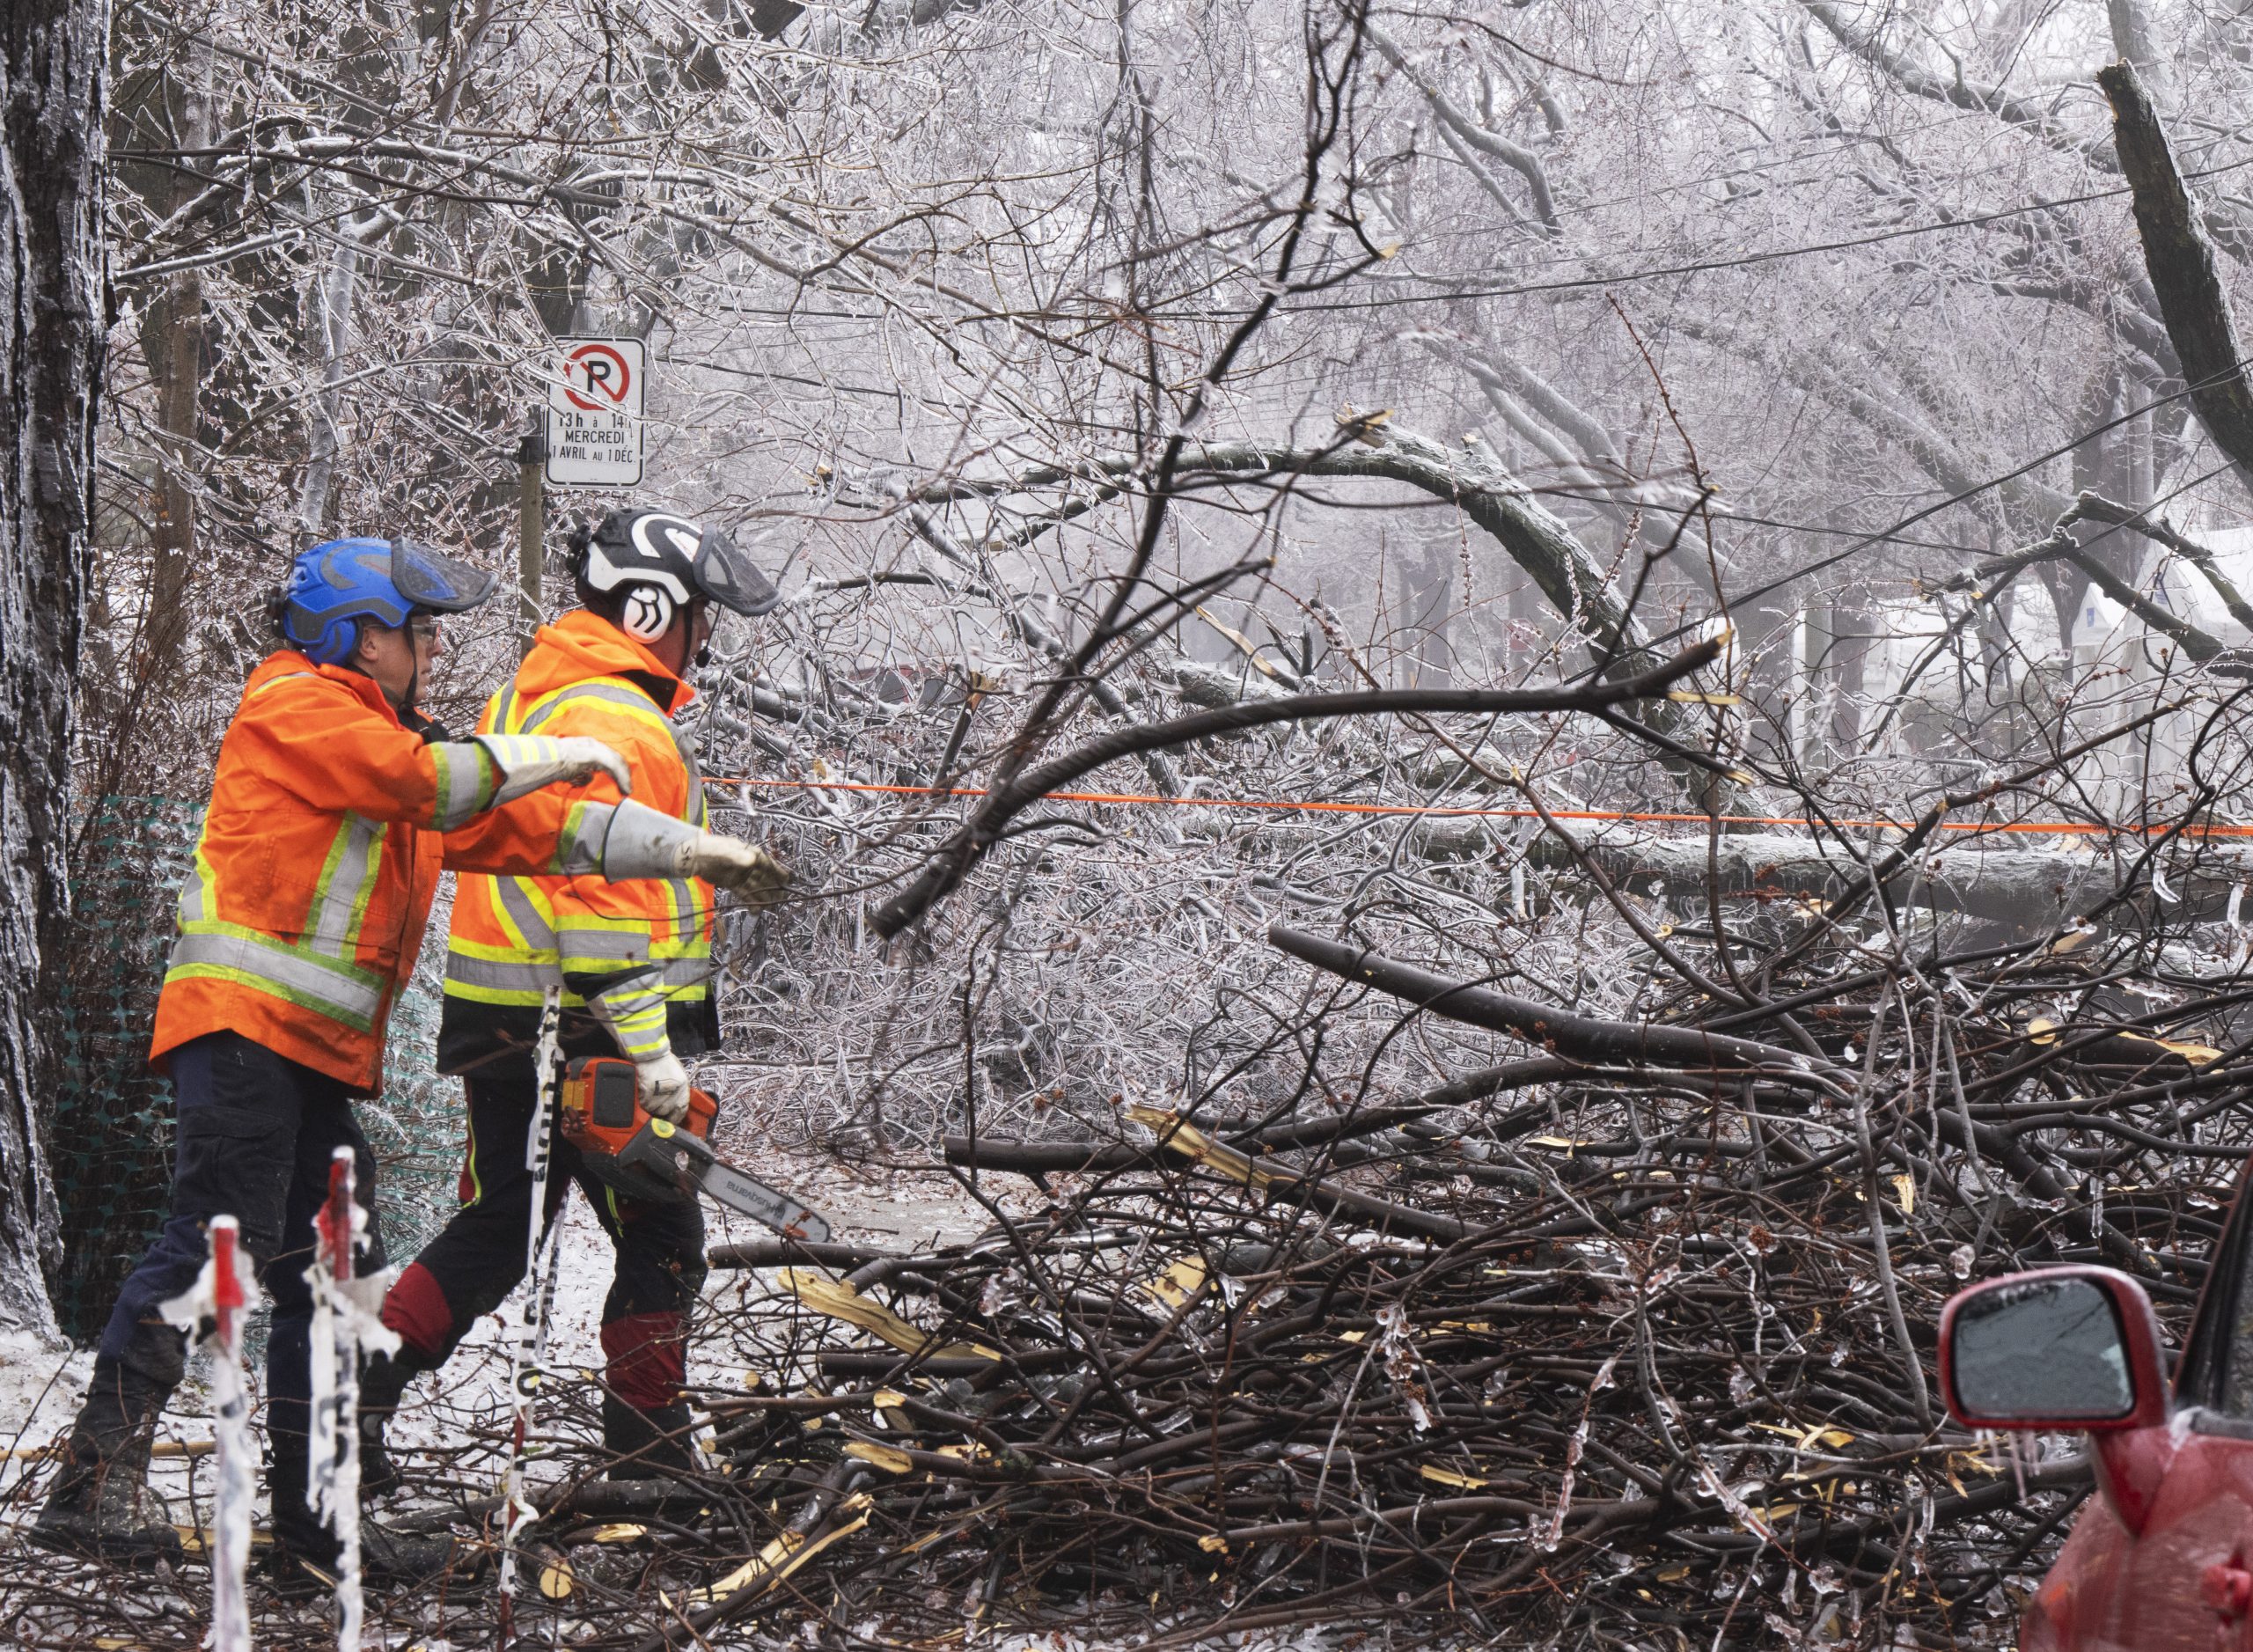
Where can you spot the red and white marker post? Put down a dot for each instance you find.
(223, 1292)
(347, 1319)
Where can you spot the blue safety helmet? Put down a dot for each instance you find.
(335, 584)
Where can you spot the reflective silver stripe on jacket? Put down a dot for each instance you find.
(632, 699)
(298, 975)
(517, 901)
(488, 972)
(672, 973)
(579, 847)
(462, 788)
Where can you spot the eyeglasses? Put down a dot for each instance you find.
(425, 628)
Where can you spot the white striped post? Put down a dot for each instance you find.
(334, 1459)
(229, 1293)
(532, 1337)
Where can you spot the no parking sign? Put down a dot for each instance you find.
(594, 415)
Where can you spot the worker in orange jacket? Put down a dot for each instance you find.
(334, 805)
(634, 964)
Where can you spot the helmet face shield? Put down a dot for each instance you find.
(338, 584)
(725, 575)
(431, 579)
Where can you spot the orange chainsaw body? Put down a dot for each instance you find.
(602, 1107)
(601, 1114)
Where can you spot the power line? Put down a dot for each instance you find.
(1740, 260)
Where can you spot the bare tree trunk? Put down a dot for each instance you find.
(2179, 252)
(172, 339)
(51, 86)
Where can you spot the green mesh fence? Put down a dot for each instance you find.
(109, 1133)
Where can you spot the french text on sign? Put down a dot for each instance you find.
(594, 414)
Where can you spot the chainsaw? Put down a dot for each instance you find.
(643, 1158)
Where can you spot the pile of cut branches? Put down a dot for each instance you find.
(1630, 1337)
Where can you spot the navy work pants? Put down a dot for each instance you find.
(255, 1136)
(477, 1260)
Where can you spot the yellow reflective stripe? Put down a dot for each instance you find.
(578, 846)
(196, 896)
(347, 882)
(635, 1017)
(609, 692)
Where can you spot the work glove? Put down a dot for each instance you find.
(742, 869)
(662, 1082)
(529, 762)
(642, 842)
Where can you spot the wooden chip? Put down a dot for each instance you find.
(1178, 1283)
(883, 1457)
(1440, 1476)
(787, 1552)
(838, 1300)
(1186, 1139)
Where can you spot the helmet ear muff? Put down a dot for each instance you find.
(647, 614)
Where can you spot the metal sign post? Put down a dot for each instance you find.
(531, 522)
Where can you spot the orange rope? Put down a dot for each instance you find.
(2029, 827)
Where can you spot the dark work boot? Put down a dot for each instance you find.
(305, 1550)
(645, 1444)
(100, 1507)
(383, 1380)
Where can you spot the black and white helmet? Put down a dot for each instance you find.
(663, 561)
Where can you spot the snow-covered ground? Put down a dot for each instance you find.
(40, 1384)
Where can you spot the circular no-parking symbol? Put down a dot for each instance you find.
(599, 371)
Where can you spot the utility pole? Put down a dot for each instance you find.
(531, 522)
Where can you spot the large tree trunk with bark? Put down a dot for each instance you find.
(2179, 255)
(51, 309)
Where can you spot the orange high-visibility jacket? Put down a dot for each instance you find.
(321, 851)
(635, 956)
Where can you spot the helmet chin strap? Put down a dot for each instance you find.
(702, 655)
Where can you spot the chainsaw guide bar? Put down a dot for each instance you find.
(650, 1158)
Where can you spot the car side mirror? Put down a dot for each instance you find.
(2068, 1348)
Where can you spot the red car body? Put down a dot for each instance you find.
(2161, 1559)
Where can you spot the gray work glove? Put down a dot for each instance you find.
(743, 869)
(529, 762)
(643, 843)
(662, 1084)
